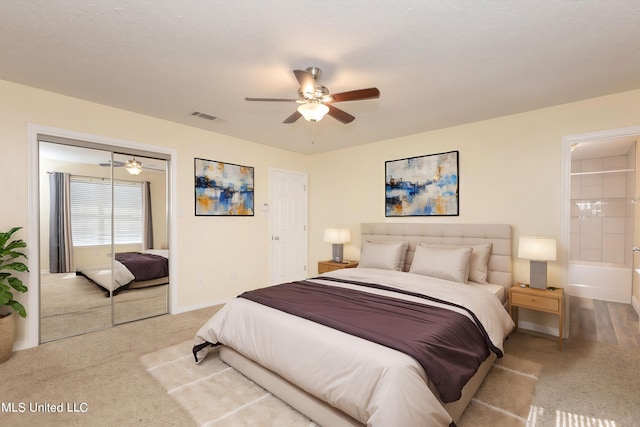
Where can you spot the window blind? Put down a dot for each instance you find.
(91, 212)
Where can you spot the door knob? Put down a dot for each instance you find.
(636, 249)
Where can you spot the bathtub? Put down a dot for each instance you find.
(603, 281)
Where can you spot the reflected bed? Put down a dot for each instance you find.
(131, 270)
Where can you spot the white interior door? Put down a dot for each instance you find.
(288, 194)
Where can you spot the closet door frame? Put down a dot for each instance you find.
(34, 132)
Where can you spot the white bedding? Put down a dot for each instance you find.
(375, 385)
(497, 290)
(102, 276)
(121, 274)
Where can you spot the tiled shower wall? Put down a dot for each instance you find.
(602, 209)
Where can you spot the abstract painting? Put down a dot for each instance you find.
(422, 186)
(223, 189)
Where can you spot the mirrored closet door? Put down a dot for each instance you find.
(140, 226)
(103, 238)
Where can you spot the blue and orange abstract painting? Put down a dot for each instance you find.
(422, 186)
(223, 188)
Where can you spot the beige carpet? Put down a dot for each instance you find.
(584, 381)
(72, 305)
(215, 394)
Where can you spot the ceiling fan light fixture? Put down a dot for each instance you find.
(313, 111)
(133, 166)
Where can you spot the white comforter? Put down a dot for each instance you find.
(121, 274)
(103, 277)
(375, 385)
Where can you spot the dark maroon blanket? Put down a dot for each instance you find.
(144, 266)
(448, 345)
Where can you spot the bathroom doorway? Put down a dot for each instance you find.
(600, 197)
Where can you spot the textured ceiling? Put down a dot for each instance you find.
(437, 63)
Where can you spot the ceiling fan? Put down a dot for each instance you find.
(133, 166)
(315, 101)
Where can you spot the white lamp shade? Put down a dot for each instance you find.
(537, 248)
(313, 111)
(337, 235)
(133, 166)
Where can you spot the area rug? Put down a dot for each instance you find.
(217, 395)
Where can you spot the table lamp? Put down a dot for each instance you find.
(337, 236)
(538, 250)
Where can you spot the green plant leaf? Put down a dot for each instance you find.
(13, 254)
(4, 237)
(5, 297)
(16, 244)
(16, 266)
(17, 284)
(19, 308)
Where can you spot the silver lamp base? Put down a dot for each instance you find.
(337, 252)
(538, 274)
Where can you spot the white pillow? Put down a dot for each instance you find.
(443, 263)
(478, 264)
(384, 255)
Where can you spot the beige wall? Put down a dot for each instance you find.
(230, 254)
(510, 172)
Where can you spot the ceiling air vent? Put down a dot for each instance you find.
(203, 115)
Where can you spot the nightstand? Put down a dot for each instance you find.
(547, 300)
(324, 266)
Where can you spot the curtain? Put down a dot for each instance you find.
(60, 245)
(147, 220)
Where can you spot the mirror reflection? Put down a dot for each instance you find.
(103, 239)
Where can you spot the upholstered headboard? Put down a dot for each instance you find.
(499, 235)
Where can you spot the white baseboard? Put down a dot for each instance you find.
(636, 304)
(188, 308)
(23, 345)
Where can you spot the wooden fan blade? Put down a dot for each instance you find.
(271, 99)
(306, 80)
(339, 115)
(292, 118)
(354, 95)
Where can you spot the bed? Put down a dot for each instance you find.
(131, 270)
(324, 365)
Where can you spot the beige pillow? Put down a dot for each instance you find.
(441, 262)
(384, 255)
(479, 262)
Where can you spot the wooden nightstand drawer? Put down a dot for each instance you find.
(326, 266)
(536, 302)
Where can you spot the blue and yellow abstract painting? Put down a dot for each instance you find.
(223, 188)
(422, 186)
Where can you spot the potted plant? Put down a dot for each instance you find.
(9, 252)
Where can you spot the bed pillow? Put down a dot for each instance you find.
(384, 255)
(479, 262)
(441, 262)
